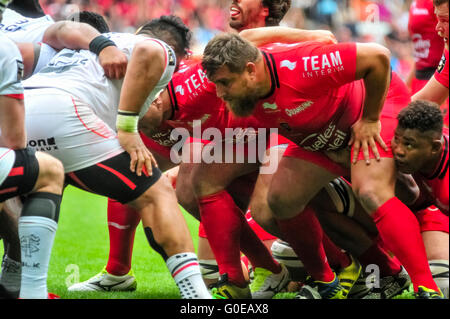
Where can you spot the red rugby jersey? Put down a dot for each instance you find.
(428, 45)
(441, 74)
(314, 99)
(436, 186)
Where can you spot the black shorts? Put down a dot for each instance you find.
(114, 179)
(23, 175)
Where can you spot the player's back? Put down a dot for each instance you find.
(79, 73)
(23, 29)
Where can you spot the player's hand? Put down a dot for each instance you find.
(365, 135)
(114, 62)
(142, 160)
(324, 36)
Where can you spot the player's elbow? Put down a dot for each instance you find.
(372, 57)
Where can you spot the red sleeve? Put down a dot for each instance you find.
(441, 74)
(326, 67)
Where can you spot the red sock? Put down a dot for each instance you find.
(377, 255)
(336, 257)
(255, 250)
(122, 223)
(400, 232)
(304, 233)
(222, 224)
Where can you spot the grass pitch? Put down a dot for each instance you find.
(81, 250)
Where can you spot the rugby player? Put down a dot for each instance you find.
(122, 222)
(23, 171)
(301, 81)
(436, 89)
(93, 107)
(421, 147)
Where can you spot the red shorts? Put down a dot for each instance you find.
(398, 97)
(432, 219)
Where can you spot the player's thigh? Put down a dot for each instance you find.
(436, 244)
(210, 178)
(374, 184)
(294, 184)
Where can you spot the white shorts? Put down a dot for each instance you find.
(68, 129)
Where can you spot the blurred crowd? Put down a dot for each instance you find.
(382, 21)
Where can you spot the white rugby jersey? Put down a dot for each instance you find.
(79, 73)
(11, 68)
(22, 29)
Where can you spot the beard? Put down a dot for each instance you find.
(242, 107)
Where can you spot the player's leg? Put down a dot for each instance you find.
(223, 221)
(167, 233)
(288, 198)
(374, 185)
(434, 226)
(38, 224)
(41, 177)
(11, 269)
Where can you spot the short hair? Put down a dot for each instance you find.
(168, 28)
(228, 49)
(277, 11)
(93, 19)
(439, 2)
(421, 115)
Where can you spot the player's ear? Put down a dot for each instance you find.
(265, 12)
(251, 69)
(436, 146)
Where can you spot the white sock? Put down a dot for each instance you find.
(36, 240)
(439, 269)
(10, 276)
(186, 273)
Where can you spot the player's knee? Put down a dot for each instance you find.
(281, 206)
(161, 190)
(372, 196)
(51, 173)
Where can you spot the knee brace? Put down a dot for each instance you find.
(439, 270)
(157, 247)
(342, 196)
(43, 205)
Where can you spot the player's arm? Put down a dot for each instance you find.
(12, 122)
(158, 112)
(74, 35)
(144, 70)
(28, 52)
(433, 91)
(373, 66)
(266, 35)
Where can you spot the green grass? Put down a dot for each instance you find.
(81, 250)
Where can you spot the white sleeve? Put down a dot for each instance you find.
(11, 68)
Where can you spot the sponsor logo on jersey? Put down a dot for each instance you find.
(270, 106)
(288, 64)
(194, 84)
(331, 138)
(322, 65)
(300, 108)
(441, 64)
(43, 145)
(179, 89)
